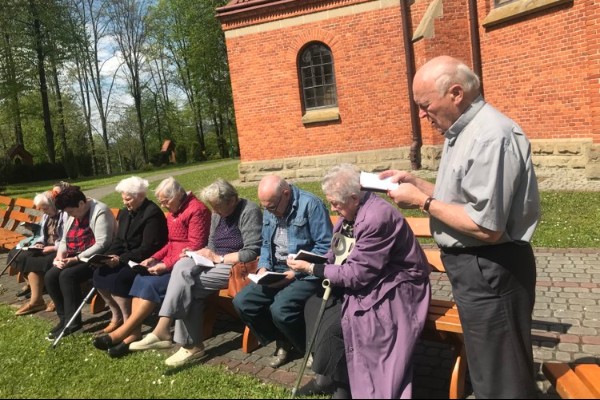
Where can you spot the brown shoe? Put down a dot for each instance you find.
(30, 308)
(51, 307)
(112, 326)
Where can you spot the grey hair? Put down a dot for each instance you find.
(170, 188)
(341, 182)
(46, 198)
(133, 186)
(457, 73)
(219, 192)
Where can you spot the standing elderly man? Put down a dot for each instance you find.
(484, 208)
(293, 220)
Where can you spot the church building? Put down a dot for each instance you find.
(318, 82)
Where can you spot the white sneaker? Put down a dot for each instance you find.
(183, 356)
(149, 342)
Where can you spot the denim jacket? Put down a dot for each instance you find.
(309, 228)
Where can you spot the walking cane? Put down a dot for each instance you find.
(10, 262)
(62, 333)
(18, 252)
(326, 285)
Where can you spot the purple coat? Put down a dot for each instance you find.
(387, 293)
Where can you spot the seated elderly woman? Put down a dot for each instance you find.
(35, 261)
(234, 237)
(37, 238)
(142, 231)
(379, 300)
(89, 230)
(188, 223)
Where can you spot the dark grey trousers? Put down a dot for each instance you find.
(494, 288)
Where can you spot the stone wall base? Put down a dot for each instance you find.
(558, 153)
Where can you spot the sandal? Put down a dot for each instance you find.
(30, 308)
(51, 307)
(112, 326)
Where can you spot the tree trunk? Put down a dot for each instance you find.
(39, 49)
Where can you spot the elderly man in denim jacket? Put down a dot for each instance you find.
(293, 220)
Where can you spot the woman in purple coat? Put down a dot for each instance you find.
(381, 294)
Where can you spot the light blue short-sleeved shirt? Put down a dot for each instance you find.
(486, 166)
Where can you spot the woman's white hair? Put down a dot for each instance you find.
(219, 192)
(341, 182)
(44, 199)
(133, 186)
(169, 188)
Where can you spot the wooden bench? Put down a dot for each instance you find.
(13, 213)
(574, 381)
(443, 324)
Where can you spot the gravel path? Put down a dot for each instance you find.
(100, 192)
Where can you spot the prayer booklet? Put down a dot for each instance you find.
(33, 249)
(370, 181)
(96, 259)
(200, 260)
(307, 256)
(267, 278)
(138, 268)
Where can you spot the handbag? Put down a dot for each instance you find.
(238, 276)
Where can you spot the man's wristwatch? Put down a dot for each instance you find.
(427, 204)
(311, 268)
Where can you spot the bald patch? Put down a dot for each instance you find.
(270, 187)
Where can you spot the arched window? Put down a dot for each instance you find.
(317, 77)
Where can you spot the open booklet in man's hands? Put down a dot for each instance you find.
(267, 278)
(370, 181)
(307, 256)
(200, 260)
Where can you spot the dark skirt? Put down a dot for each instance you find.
(329, 357)
(27, 261)
(117, 281)
(150, 287)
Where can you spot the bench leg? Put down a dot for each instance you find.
(249, 341)
(97, 305)
(457, 380)
(210, 317)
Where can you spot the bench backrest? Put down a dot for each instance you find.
(20, 211)
(6, 206)
(420, 227)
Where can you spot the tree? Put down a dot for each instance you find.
(128, 22)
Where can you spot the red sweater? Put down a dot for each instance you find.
(188, 228)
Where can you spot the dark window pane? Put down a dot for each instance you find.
(317, 77)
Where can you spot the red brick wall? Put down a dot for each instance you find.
(369, 64)
(543, 70)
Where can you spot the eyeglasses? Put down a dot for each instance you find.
(272, 208)
(164, 202)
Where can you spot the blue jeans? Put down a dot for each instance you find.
(274, 314)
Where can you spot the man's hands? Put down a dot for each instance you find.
(410, 192)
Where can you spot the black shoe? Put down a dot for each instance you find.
(119, 350)
(282, 354)
(24, 292)
(103, 342)
(55, 331)
(72, 329)
(313, 388)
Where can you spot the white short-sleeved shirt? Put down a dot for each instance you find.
(486, 166)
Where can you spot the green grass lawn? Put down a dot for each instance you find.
(75, 369)
(569, 219)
